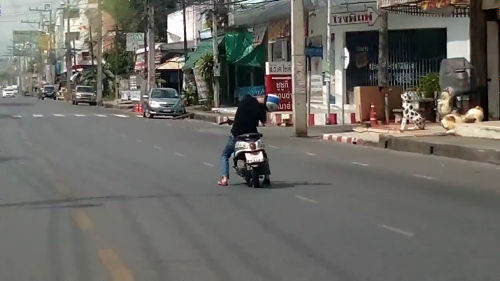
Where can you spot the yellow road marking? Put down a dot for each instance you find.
(82, 220)
(115, 266)
(63, 189)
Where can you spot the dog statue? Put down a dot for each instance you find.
(473, 115)
(445, 102)
(410, 114)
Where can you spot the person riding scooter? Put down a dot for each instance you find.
(251, 110)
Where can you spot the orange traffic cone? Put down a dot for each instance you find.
(373, 116)
(140, 109)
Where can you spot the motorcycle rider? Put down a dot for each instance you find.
(251, 110)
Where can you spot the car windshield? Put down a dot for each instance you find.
(85, 89)
(164, 93)
(49, 88)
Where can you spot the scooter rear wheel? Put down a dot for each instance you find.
(255, 180)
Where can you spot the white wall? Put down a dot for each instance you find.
(175, 25)
(457, 32)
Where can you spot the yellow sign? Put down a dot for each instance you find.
(44, 42)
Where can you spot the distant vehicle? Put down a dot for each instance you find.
(163, 102)
(8, 93)
(48, 91)
(85, 94)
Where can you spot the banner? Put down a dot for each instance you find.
(135, 41)
(25, 42)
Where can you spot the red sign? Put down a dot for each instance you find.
(280, 85)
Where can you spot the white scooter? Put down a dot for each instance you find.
(250, 159)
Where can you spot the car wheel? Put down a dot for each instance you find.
(147, 114)
(76, 103)
(43, 98)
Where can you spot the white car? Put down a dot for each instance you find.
(8, 93)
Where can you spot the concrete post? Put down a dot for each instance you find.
(99, 52)
(299, 69)
(152, 47)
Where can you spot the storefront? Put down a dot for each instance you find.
(416, 46)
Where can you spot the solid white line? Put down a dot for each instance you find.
(100, 115)
(359, 164)
(208, 164)
(58, 115)
(121, 115)
(424, 177)
(273, 146)
(396, 230)
(80, 115)
(311, 154)
(179, 154)
(158, 147)
(37, 115)
(306, 199)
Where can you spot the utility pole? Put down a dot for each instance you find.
(91, 46)
(115, 66)
(326, 98)
(99, 53)
(478, 50)
(69, 71)
(184, 26)
(50, 63)
(298, 69)
(216, 70)
(151, 46)
(383, 54)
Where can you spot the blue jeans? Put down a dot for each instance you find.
(226, 154)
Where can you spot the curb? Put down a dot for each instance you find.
(490, 156)
(343, 139)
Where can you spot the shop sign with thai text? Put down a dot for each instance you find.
(369, 16)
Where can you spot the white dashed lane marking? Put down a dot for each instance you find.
(121, 115)
(17, 116)
(424, 177)
(80, 115)
(208, 164)
(100, 115)
(311, 154)
(306, 199)
(37, 115)
(396, 230)
(179, 154)
(273, 146)
(359, 164)
(158, 147)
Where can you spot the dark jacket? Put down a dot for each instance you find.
(248, 115)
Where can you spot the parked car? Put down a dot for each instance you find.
(48, 91)
(85, 94)
(163, 102)
(8, 93)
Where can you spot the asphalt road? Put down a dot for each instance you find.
(89, 194)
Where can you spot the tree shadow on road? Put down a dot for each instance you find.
(15, 104)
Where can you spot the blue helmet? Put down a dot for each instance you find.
(272, 102)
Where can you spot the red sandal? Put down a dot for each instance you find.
(224, 181)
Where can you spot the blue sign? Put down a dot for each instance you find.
(314, 52)
(253, 91)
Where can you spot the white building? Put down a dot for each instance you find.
(416, 45)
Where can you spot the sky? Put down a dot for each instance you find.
(13, 11)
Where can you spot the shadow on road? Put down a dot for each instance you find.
(17, 104)
(95, 201)
(285, 184)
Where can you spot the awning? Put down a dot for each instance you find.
(204, 48)
(448, 8)
(175, 63)
(240, 49)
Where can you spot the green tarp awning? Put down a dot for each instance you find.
(205, 47)
(240, 49)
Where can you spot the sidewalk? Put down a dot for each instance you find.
(433, 141)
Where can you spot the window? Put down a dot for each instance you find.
(280, 50)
